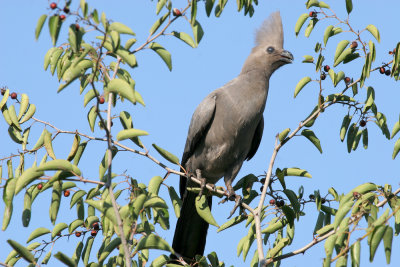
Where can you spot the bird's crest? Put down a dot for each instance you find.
(271, 31)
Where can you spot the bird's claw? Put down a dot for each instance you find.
(203, 182)
(238, 203)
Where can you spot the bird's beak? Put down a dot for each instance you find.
(286, 57)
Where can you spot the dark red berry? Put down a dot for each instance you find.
(96, 226)
(77, 27)
(272, 202)
(66, 10)
(363, 123)
(67, 193)
(323, 200)
(262, 180)
(62, 17)
(323, 76)
(176, 12)
(39, 186)
(387, 72)
(390, 52)
(280, 203)
(354, 45)
(312, 14)
(13, 95)
(102, 100)
(382, 70)
(327, 68)
(347, 80)
(78, 234)
(311, 196)
(53, 5)
(93, 233)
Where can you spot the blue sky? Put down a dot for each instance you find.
(171, 98)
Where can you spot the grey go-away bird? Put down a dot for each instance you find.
(225, 130)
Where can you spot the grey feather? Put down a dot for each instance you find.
(271, 31)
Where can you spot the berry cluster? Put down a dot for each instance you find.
(66, 10)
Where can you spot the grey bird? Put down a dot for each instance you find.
(225, 130)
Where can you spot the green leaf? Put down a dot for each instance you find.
(278, 247)
(59, 165)
(57, 229)
(193, 11)
(293, 199)
(282, 136)
(351, 135)
(158, 23)
(374, 31)
(376, 238)
(197, 32)
(123, 88)
(55, 201)
(310, 27)
(86, 250)
(396, 149)
(329, 245)
(64, 259)
(308, 59)
(5, 98)
(387, 243)
(38, 232)
(22, 251)
(204, 210)
(355, 251)
(130, 133)
(232, 222)
(345, 54)
(153, 241)
(29, 113)
(129, 43)
(27, 177)
(345, 125)
(76, 197)
(395, 130)
(184, 37)
(340, 48)
(39, 25)
(309, 134)
(24, 102)
(163, 53)
(209, 5)
(300, 22)
(54, 28)
(295, 172)
(109, 248)
(121, 28)
(154, 185)
(176, 201)
(274, 226)
(349, 6)
(166, 155)
(301, 84)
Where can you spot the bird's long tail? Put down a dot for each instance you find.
(191, 230)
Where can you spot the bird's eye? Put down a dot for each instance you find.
(270, 49)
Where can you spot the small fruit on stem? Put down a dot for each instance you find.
(347, 80)
(312, 14)
(102, 100)
(13, 95)
(62, 17)
(311, 196)
(77, 27)
(327, 68)
(93, 233)
(40, 186)
(176, 12)
(67, 193)
(272, 202)
(323, 76)
(66, 10)
(96, 226)
(354, 45)
(53, 5)
(381, 70)
(387, 72)
(363, 123)
(78, 234)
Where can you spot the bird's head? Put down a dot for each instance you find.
(268, 54)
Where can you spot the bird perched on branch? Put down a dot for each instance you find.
(225, 130)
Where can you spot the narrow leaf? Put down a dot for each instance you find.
(204, 210)
(309, 134)
(167, 155)
(301, 84)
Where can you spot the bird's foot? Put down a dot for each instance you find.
(203, 182)
(238, 203)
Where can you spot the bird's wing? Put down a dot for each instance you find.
(255, 143)
(199, 125)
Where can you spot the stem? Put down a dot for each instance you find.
(108, 183)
